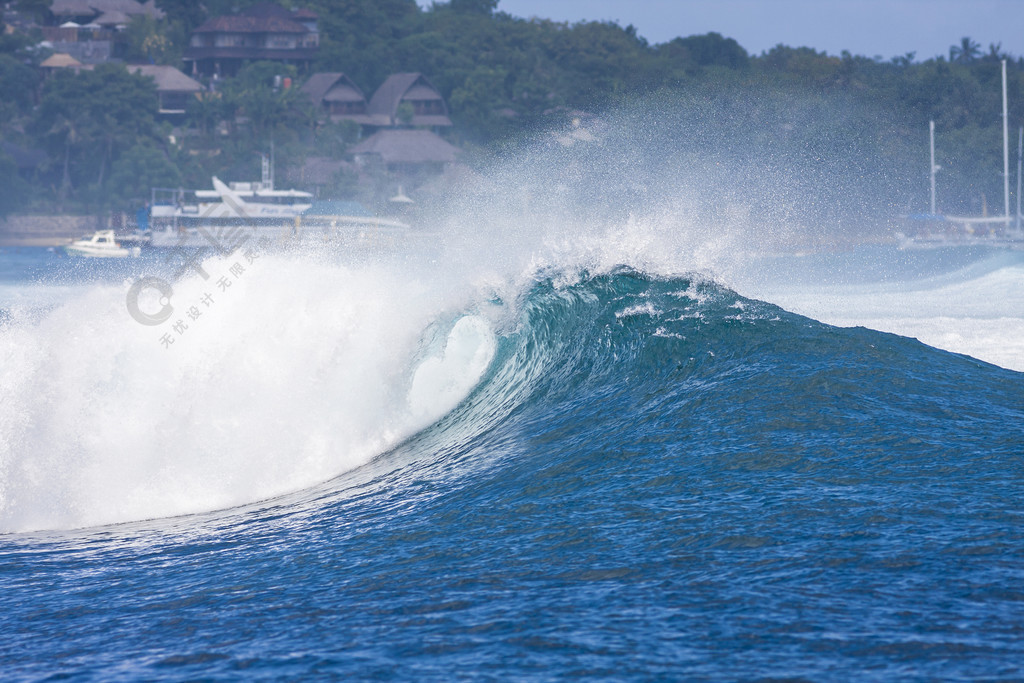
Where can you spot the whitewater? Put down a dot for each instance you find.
(577, 428)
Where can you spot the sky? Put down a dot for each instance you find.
(884, 28)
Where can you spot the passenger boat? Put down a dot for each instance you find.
(230, 213)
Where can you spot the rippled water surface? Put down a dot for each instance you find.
(643, 477)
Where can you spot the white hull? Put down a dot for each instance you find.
(101, 245)
(230, 216)
(224, 237)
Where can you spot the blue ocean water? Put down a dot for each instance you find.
(655, 477)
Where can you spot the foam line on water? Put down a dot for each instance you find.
(976, 314)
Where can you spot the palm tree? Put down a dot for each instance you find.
(995, 53)
(966, 52)
(66, 128)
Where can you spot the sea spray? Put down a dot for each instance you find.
(298, 371)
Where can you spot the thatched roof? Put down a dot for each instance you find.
(383, 107)
(60, 60)
(112, 18)
(332, 87)
(407, 147)
(168, 79)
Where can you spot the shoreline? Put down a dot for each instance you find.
(14, 242)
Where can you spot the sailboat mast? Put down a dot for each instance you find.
(1006, 151)
(931, 148)
(1020, 153)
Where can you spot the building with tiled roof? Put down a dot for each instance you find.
(263, 32)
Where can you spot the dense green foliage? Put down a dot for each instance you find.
(851, 132)
(86, 120)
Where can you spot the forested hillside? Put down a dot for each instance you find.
(861, 123)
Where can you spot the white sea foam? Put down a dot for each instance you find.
(967, 312)
(297, 372)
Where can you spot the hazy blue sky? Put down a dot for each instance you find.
(864, 27)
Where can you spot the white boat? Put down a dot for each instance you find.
(231, 213)
(101, 244)
(206, 218)
(933, 230)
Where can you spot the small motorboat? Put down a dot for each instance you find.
(100, 245)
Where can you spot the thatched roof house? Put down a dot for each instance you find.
(339, 96)
(172, 86)
(428, 107)
(405, 148)
(60, 60)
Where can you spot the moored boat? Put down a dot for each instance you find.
(101, 244)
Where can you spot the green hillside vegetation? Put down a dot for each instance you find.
(855, 128)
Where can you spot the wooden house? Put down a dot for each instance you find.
(405, 151)
(339, 97)
(263, 32)
(426, 106)
(172, 87)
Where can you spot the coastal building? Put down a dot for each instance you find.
(265, 31)
(405, 151)
(57, 61)
(172, 87)
(112, 14)
(338, 96)
(92, 31)
(408, 99)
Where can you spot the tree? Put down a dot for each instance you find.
(475, 103)
(87, 119)
(966, 52)
(150, 41)
(405, 113)
(139, 169)
(358, 36)
(474, 6)
(39, 9)
(712, 49)
(995, 53)
(205, 111)
(259, 92)
(17, 83)
(14, 191)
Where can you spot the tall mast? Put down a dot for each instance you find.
(1020, 153)
(931, 147)
(1006, 151)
